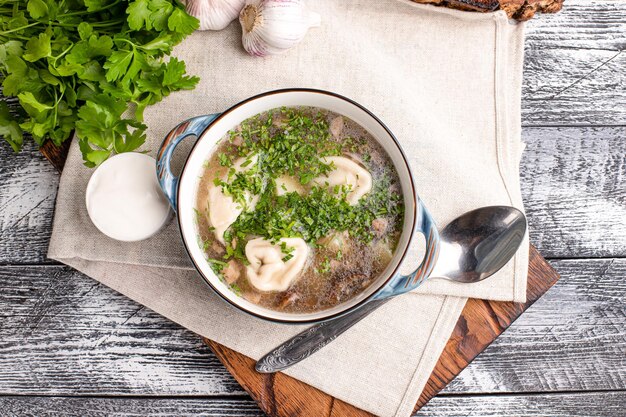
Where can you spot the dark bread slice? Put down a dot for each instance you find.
(515, 9)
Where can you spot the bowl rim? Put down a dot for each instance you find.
(391, 274)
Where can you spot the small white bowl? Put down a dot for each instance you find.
(124, 199)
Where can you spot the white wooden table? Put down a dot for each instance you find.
(69, 345)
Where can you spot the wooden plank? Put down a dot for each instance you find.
(573, 184)
(573, 87)
(64, 406)
(62, 333)
(573, 338)
(609, 404)
(574, 190)
(582, 24)
(573, 66)
(28, 185)
(56, 154)
(547, 360)
(592, 294)
(116, 362)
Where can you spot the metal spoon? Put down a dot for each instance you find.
(474, 246)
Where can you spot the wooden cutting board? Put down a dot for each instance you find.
(480, 323)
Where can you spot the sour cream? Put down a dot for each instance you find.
(124, 200)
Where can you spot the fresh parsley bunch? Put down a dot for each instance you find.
(79, 64)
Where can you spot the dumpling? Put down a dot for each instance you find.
(347, 172)
(223, 210)
(267, 270)
(286, 184)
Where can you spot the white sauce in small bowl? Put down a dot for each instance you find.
(124, 200)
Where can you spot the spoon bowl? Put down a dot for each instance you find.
(479, 243)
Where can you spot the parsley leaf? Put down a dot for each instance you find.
(37, 48)
(37, 8)
(117, 64)
(80, 64)
(10, 128)
(31, 103)
(139, 15)
(181, 22)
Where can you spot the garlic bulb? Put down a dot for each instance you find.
(214, 14)
(274, 26)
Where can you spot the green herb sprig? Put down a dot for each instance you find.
(80, 64)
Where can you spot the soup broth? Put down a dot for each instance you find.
(299, 209)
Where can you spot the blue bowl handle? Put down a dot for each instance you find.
(401, 284)
(192, 127)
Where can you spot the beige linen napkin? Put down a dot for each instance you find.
(448, 85)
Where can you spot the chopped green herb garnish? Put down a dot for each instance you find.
(293, 143)
(217, 266)
(198, 214)
(324, 267)
(294, 149)
(235, 288)
(225, 160)
(314, 215)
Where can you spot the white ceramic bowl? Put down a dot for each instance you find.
(211, 128)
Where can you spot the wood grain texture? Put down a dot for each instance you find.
(56, 154)
(576, 332)
(573, 66)
(28, 185)
(574, 190)
(480, 323)
(279, 394)
(582, 24)
(574, 87)
(608, 404)
(63, 406)
(572, 339)
(62, 333)
(601, 404)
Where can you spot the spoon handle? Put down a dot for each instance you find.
(306, 343)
